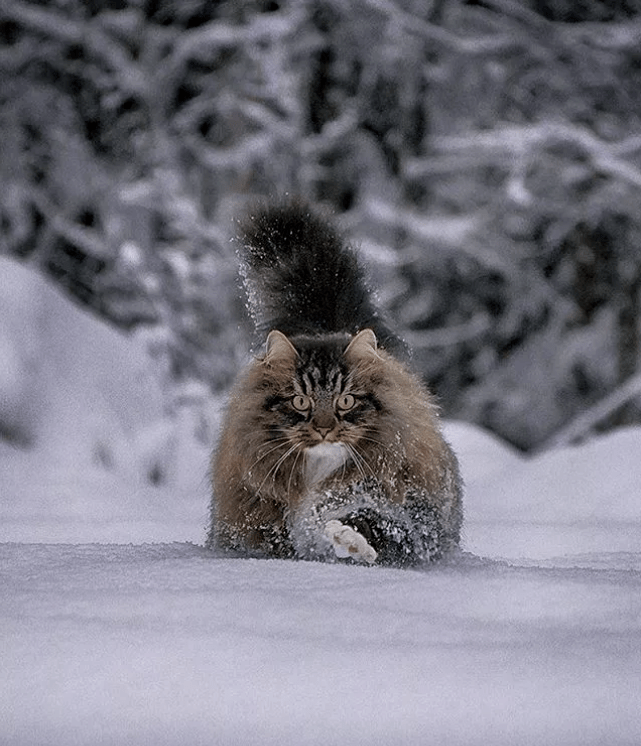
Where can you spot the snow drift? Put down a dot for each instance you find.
(110, 636)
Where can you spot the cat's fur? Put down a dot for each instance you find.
(327, 424)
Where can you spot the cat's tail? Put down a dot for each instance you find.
(302, 278)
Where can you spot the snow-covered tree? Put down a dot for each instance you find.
(485, 156)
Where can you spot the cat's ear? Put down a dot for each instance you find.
(363, 346)
(279, 348)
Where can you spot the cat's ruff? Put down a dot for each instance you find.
(322, 461)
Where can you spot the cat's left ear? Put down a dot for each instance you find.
(279, 348)
(363, 346)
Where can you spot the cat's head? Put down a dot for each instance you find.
(323, 389)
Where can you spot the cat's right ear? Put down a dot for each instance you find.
(362, 347)
(279, 348)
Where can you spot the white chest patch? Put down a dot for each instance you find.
(323, 460)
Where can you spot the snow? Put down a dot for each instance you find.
(117, 626)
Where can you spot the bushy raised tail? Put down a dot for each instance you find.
(302, 278)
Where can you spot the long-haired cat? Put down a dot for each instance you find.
(330, 448)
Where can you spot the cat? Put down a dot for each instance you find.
(331, 449)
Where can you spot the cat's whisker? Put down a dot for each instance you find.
(293, 469)
(344, 466)
(282, 442)
(364, 462)
(353, 456)
(295, 447)
(274, 470)
(357, 459)
(371, 440)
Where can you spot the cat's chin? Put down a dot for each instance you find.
(322, 460)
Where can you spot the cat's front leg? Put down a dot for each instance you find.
(360, 522)
(252, 526)
(322, 527)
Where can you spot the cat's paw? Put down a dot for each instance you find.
(347, 542)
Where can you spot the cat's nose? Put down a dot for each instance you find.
(323, 422)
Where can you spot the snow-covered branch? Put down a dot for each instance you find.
(90, 241)
(588, 420)
(239, 156)
(476, 44)
(219, 34)
(332, 132)
(608, 36)
(49, 22)
(449, 233)
(483, 147)
(514, 138)
(451, 335)
(87, 34)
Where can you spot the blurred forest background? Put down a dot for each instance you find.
(484, 156)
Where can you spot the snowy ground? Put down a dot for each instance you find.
(117, 627)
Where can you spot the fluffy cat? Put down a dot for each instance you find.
(331, 448)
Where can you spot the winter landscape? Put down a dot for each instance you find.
(485, 160)
(119, 627)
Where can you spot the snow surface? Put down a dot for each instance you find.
(118, 627)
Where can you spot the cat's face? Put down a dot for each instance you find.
(322, 396)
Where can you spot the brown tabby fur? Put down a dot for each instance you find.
(259, 466)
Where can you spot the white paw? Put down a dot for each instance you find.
(349, 543)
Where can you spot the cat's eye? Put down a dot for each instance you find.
(345, 402)
(301, 403)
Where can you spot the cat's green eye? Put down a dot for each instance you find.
(345, 402)
(301, 403)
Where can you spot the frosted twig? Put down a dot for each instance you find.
(88, 34)
(439, 35)
(92, 242)
(218, 34)
(515, 140)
